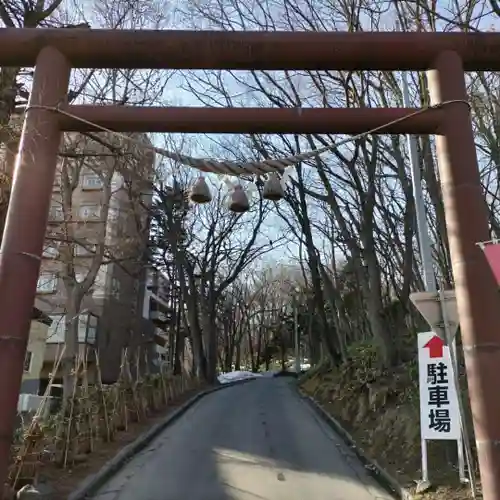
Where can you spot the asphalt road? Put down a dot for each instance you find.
(256, 441)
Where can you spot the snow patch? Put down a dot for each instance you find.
(225, 378)
(303, 367)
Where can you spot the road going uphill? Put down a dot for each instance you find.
(256, 441)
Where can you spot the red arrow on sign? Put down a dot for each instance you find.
(435, 346)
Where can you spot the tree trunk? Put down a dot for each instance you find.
(211, 371)
(237, 361)
(250, 349)
(71, 344)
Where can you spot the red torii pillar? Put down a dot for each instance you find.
(448, 54)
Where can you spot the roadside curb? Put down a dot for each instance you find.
(381, 475)
(94, 482)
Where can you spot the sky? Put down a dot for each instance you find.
(176, 94)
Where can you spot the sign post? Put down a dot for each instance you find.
(440, 311)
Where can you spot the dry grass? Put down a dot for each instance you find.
(97, 422)
(65, 481)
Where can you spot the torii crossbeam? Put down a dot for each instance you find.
(445, 55)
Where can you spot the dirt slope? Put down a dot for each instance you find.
(381, 412)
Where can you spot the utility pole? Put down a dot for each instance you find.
(423, 241)
(418, 195)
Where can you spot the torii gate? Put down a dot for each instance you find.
(446, 55)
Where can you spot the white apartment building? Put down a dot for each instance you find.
(110, 316)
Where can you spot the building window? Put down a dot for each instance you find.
(56, 212)
(56, 329)
(87, 328)
(82, 328)
(100, 283)
(50, 252)
(90, 212)
(92, 329)
(57, 182)
(47, 283)
(115, 287)
(27, 361)
(91, 181)
(85, 251)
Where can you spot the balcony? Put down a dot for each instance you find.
(159, 300)
(161, 313)
(158, 284)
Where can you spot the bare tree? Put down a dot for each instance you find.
(211, 247)
(356, 203)
(109, 86)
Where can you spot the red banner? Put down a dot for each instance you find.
(492, 253)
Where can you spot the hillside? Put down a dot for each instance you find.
(381, 412)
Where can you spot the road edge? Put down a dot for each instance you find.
(93, 483)
(380, 474)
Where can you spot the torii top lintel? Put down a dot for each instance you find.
(175, 49)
